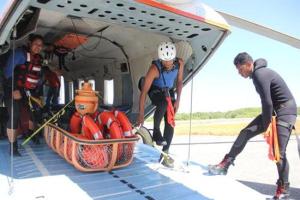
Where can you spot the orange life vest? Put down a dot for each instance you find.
(29, 73)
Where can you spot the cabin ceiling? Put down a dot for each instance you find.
(125, 13)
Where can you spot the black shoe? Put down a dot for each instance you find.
(36, 140)
(25, 135)
(2, 137)
(167, 161)
(15, 149)
(161, 142)
(282, 191)
(222, 167)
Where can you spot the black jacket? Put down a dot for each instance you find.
(273, 91)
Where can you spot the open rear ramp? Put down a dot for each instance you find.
(41, 174)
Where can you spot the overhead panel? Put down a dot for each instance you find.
(133, 14)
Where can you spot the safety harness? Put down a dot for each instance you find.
(28, 74)
(271, 137)
(166, 92)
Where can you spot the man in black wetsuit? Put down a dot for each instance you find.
(276, 99)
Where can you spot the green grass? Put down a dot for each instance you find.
(233, 114)
(209, 129)
(199, 127)
(221, 129)
(239, 113)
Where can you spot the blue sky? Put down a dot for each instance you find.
(218, 86)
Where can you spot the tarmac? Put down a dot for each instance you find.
(252, 166)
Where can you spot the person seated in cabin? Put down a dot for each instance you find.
(22, 74)
(159, 83)
(51, 79)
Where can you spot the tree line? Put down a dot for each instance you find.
(238, 113)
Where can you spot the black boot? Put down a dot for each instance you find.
(222, 167)
(159, 140)
(166, 160)
(2, 131)
(36, 139)
(282, 191)
(15, 149)
(2, 135)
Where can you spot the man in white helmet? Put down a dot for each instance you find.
(159, 84)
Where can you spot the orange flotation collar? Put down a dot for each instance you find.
(271, 138)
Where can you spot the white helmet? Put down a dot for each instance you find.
(166, 51)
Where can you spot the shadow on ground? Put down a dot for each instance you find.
(268, 189)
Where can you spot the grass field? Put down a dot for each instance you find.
(215, 127)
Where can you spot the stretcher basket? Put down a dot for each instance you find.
(90, 155)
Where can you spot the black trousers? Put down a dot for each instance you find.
(14, 107)
(255, 128)
(159, 100)
(52, 97)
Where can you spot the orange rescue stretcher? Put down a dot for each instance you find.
(90, 155)
(96, 141)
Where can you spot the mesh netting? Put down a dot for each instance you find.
(93, 156)
(89, 157)
(126, 155)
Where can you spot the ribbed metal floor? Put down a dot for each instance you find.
(50, 177)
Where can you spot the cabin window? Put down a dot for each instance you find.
(71, 90)
(61, 99)
(4, 8)
(108, 98)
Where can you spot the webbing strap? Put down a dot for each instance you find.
(286, 125)
(291, 127)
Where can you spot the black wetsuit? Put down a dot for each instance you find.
(276, 98)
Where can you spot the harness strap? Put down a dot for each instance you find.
(158, 63)
(286, 125)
